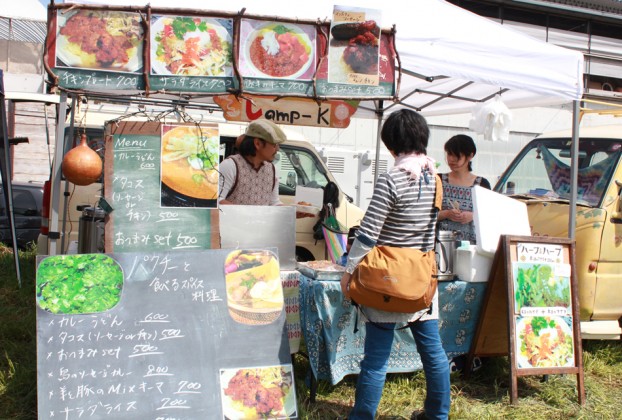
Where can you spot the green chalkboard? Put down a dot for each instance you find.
(141, 220)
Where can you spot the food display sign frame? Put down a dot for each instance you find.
(222, 53)
(531, 310)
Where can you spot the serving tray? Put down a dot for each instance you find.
(321, 270)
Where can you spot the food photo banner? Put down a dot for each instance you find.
(105, 48)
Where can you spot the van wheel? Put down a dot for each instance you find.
(303, 255)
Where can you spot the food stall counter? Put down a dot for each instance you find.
(336, 351)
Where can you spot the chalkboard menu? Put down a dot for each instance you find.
(180, 341)
(140, 220)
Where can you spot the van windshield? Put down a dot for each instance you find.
(543, 170)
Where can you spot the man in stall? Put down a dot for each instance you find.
(249, 177)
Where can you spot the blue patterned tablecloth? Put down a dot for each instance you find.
(336, 351)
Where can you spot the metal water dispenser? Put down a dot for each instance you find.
(91, 230)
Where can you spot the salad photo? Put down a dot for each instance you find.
(79, 283)
(99, 40)
(544, 342)
(191, 46)
(538, 285)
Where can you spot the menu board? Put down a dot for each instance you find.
(163, 52)
(162, 336)
(543, 306)
(531, 310)
(153, 211)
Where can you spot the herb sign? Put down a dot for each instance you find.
(78, 284)
(542, 289)
(542, 300)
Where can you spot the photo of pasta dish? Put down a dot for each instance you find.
(100, 40)
(190, 46)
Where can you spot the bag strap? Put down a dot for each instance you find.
(235, 183)
(438, 195)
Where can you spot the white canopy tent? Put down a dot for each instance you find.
(451, 59)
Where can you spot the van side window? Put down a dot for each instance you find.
(298, 167)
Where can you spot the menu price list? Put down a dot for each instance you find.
(157, 353)
(140, 221)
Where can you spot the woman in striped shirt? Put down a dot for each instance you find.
(402, 214)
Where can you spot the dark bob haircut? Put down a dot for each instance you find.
(461, 145)
(405, 131)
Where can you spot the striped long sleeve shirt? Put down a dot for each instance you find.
(401, 213)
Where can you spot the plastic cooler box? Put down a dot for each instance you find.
(493, 215)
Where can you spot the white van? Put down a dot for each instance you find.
(298, 164)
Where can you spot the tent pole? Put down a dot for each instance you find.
(65, 241)
(5, 176)
(55, 178)
(379, 114)
(574, 170)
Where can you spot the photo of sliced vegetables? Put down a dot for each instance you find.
(537, 285)
(191, 46)
(78, 284)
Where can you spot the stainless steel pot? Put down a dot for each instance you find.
(446, 244)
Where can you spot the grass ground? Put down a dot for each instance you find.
(485, 395)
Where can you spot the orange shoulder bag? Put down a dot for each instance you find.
(397, 279)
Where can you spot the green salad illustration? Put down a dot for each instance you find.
(537, 286)
(78, 284)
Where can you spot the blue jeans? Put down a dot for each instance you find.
(378, 343)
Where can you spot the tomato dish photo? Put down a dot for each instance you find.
(113, 40)
(278, 50)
